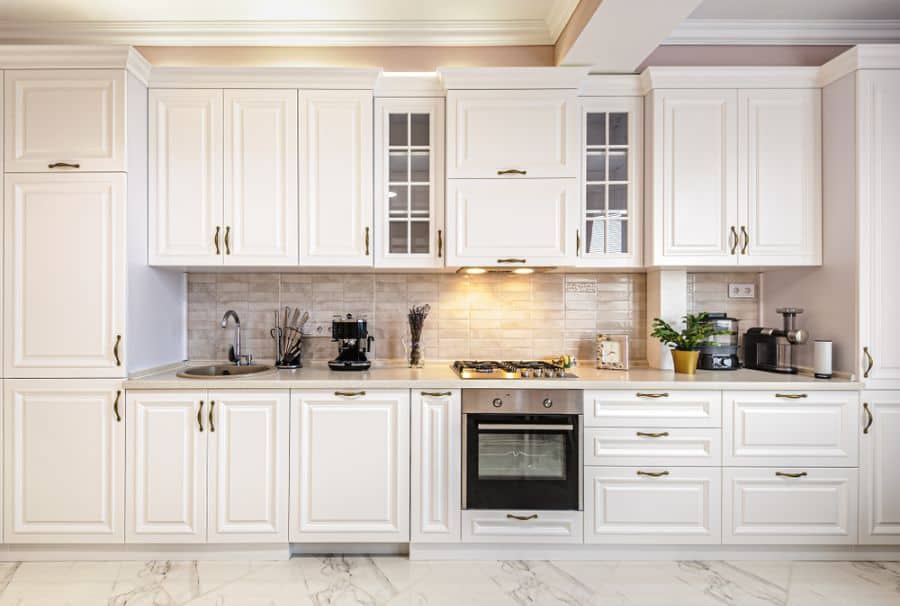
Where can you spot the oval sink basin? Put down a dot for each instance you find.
(221, 371)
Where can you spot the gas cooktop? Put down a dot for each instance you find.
(505, 369)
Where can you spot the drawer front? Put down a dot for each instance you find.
(652, 408)
(625, 505)
(811, 429)
(763, 505)
(480, 526)
(653, 446)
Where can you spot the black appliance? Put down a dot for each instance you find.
(354, 342)
(772, 349)
(721, 352)
(521, 449)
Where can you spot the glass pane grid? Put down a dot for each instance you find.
(607, 182)
(409, 180)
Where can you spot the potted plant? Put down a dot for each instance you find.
(685, 345)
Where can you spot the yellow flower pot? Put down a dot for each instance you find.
(685, 361)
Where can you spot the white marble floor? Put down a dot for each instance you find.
(341, 581)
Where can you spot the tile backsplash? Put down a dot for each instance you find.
(709, 292)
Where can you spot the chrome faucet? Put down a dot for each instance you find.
(234, 353)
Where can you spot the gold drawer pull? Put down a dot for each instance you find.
(652, 395)
(791, 396)
(510, 260)
(440, 243)
(784, 474)
(436, 394)
(216, 239)
(512, 171)
(736, 240)
(746, 235)
(653, 474)
(367, 241)
(511, 516)
(212, 406)
(200, 416)
(644, 434)
(349, 394)
(870, 362)
(116, 350)
(869, 418)
(227, 243)
(116, 406)
(64, 165)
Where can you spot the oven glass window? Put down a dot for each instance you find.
(521, 456)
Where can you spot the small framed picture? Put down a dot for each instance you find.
(612, 352)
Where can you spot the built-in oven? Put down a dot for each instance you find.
(522, 449)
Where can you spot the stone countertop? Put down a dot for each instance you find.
(317, 375)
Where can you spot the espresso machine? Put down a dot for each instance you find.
(772, 349)
(354, 342)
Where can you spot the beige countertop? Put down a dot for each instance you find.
(317, 375)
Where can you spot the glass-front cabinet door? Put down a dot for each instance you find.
(610, 231)
(409, 183)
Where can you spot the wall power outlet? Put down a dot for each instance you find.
(737, 290)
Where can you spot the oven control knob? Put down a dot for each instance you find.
(547, 402)
(497, 402)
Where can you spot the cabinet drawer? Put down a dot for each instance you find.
(653, 446)
(625, 505)
(767, 505)
(652, 408)
(480, 526)
(814, 429)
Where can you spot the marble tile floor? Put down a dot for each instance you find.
(344, 581)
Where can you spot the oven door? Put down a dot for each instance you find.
(520, 461)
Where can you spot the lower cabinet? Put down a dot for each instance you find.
(879, 483)
(207, 466)
(673, 505)
(64, 446)
(349, 466)
(501, 526)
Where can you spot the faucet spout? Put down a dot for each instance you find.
(234, 354)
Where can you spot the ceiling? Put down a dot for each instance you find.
(798, 9)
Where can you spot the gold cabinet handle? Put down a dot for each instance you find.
(735, 240)
(652, 395)
(349, 394)
(216, 240)
(212, 406)
(661, 434)
(577, 242)
(512, 516)
(652, 474)
(116, 406)
(791, 396)
(200, 416)
(869, 417)
(784, 474)
(870, 362)
(746, 240)
(367, 241)
(510, 260)
(512, 171)
(116, 350)
(227, 238)
(437, 394)
(440, 243)
(64, 165)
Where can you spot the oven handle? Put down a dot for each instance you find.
(525, 426)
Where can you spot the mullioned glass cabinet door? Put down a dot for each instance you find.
(409, 183)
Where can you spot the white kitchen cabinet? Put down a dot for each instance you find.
(611, 217)
(651, 408)
(496, 223)
(185, 177)
(795, 506)
(656, 505)
(64, 454)
(65, 120)
(409, 183)
(814, 428)
(248, 466)
(261, 203)
(436, 474)
(653, 446)
(64, 275)
(522, 526)
(166, 467)
(336, 178)
(780, 176)
(511, 134)
(350, 466)
(879, 498)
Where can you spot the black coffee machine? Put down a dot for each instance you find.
(772, 349)
(354, 342)
(721, 352)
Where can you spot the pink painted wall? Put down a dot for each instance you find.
(683, 55)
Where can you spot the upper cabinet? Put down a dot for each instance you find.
(609, 234)
(512, 133)
(734, 177)
(64, 120)
(409, 183)
(336, 178)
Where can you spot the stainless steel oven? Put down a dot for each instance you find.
(522, 449)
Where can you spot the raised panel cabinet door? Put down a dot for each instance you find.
(65, 120)
(650, 408)
(512, 134)
(336, 180)
(436, 466)
(350, 466)
(64, 455)
(166, 467)
(65, 275)
(261, 203)
(878, 180)
(503, 223)
(694, 218)
(248, 466)
(657, 505)
(780, 191)
(185, 177)
(879, 499)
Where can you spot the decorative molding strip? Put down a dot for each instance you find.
(560, 13)
(729, 77)
(57, 56)
(409, 84)
(865, 56)
(512, 77)
(288, 33)
(309, 78)
(759, 31)
(611, 85)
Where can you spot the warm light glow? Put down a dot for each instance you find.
(476, 270)
(523, 270)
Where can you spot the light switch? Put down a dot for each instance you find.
(738, 290)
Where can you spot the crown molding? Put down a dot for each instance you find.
(512, 77)
(310, 78)
(409, 84)
(420, 32)
(58, 56)
(807, 31)
(865, 56)
(558, 16)
(611, 85)
(729, 77)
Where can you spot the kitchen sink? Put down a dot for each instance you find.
(221, 371)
